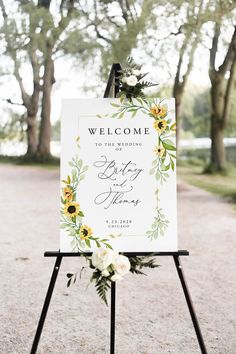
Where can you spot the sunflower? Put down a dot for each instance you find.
(160, 125)
(71, 209)
(85, 232)
(159, 150)
(68, 194)
(158, 111)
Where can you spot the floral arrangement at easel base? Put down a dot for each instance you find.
(107, 265)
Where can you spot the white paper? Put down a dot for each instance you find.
(117, 195)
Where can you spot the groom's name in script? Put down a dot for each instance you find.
(112, 197)
(119, 131)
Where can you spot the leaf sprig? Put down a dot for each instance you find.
(138, 263)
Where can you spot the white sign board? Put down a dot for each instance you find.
(118, 176)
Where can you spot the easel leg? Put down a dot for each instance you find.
(113, 314)
(190, 304)
(46, 304)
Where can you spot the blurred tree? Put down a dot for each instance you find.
(118, 24)
(46, 30)
(191, 33)
(30, 101)
(13, 129)
(56, 130)
(32, 38)
(221, 93)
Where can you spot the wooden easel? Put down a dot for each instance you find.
(112, 89)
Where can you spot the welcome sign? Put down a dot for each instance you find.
(118, 182)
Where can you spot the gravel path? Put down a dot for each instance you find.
(152, 316)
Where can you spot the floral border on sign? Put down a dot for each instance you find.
(71, 213)
(164, 150)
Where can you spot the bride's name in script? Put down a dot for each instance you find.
(118, 194)
(110, 169)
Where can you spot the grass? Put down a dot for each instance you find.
(224, 186)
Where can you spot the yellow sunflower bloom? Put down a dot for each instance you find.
(159, 150)
(85, 232)
(160, 125)
(68, 194)
(71, 209)
(158, 111)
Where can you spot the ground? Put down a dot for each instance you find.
(152, 316)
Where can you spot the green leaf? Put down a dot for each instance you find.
(85, 168)
(158, 176)
(115, 105)
(168, 147)
(80, 163)
(121, 115)
(63, 201)
(98, 244)
(81, 213)
(140, 101)
(152, 171)
(63, 226)
(108, 246)
(68, 180)
(122, 98)
(173, 156)
(165, 168)
(154, 162)
(168, 141)
(87, 242)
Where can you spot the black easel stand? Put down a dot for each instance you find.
(111, 91)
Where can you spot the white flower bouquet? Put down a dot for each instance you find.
(109, 266)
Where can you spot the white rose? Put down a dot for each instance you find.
(121, 265)
(102, 258)
(105, 273)
(116, 277)
(124, 79)
(135, 72)
(131, 80)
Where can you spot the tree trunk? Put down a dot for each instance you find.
(45, 126)
(218, 158)
(178, 99)
(178, 95)
(31, 134)
(221, 90)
